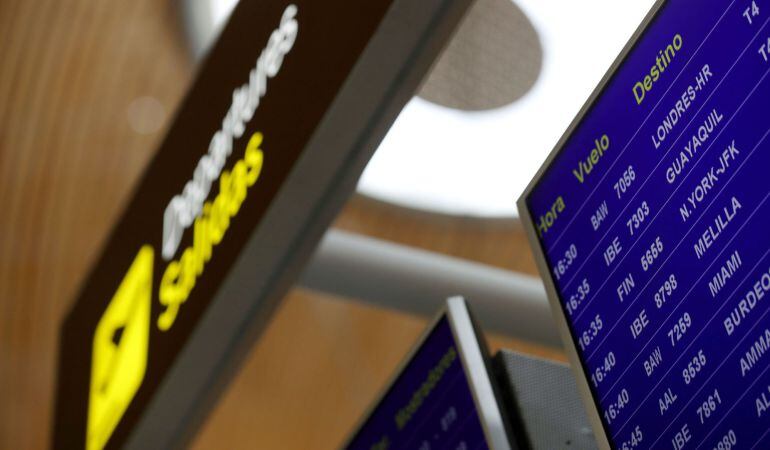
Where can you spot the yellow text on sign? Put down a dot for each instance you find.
(119, 353)
(180, 276)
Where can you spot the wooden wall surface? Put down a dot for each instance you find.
(71, 72)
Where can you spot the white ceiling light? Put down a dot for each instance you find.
(477, 163)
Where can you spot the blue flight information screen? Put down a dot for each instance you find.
(654, 220)
(429, 406)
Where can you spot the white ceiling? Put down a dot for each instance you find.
(477, 162)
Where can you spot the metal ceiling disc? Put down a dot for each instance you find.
(494, 59)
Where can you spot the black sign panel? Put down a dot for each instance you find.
(283, 116)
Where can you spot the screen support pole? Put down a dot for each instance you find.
(413, 280)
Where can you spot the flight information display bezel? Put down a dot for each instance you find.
(649, 225)
(581, 371)
(472, 355)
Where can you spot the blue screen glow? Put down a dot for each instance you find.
(653, 218)
(429, 405)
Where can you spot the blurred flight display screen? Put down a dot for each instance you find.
(653, 219)
(429, 405)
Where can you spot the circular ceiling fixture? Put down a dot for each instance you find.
(494, 105)
(473, 161)
(493, 60)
